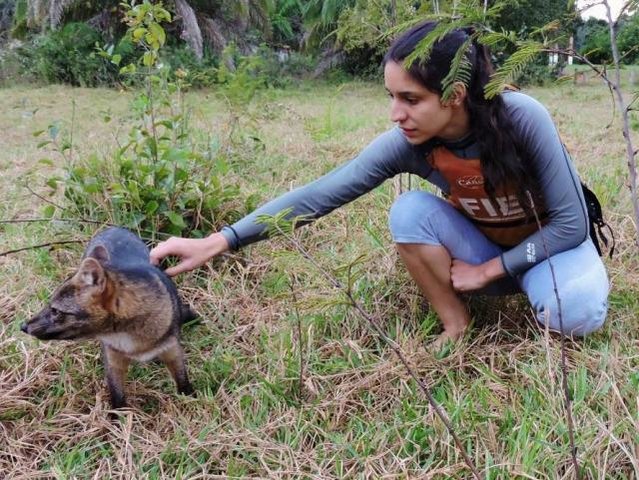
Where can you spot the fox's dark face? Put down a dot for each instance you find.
(76, 309)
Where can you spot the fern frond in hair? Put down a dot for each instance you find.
(525, 54)
(469, 13)
(424, 47)
(460, 70)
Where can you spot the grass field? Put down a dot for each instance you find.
(356, 413)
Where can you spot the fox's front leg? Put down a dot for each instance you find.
(116, 366)
(173, 358)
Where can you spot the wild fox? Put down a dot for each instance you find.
(119, 298)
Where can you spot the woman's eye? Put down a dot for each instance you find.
(411, 101)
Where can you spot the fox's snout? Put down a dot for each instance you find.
(40, 327)
(47, 326)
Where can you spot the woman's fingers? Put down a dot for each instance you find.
(181, 267)
(163, 249)
(192, 252)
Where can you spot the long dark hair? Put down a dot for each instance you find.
(500, 158)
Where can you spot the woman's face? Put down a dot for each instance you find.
(416, 110)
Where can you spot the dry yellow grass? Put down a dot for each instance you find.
(358, 414)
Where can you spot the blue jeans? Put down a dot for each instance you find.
(422, 218)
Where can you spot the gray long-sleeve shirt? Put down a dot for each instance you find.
(390, 153)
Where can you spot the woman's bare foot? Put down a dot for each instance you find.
(449, 336)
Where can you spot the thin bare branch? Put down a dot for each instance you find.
(564, 369)
(389, 342)
(42, 245)
(300, 340)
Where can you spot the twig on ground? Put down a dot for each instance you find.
(42, 245)
(388, 341)
(46, 200)
(564, 369)
(300, 340)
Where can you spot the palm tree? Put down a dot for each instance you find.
(199, 22)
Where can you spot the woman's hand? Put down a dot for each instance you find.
(193, 252)
(467, 278)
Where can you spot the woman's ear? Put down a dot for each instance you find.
(458, 96)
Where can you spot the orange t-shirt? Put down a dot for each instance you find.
(502, 221)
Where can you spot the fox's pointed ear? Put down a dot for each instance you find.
(91, 274)
(100, 254)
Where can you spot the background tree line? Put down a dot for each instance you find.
(55, 40)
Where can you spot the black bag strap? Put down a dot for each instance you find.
(596, 221)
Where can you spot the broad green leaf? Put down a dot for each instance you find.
(151, 207)
(148, 59)
(158, 33)
(138, 33)
(130, 68)
(176, 219)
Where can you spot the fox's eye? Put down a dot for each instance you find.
(55, 311)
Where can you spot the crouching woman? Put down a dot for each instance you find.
(500, 165)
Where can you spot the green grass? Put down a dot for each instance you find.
(358, 413)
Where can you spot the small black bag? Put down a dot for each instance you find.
(595, 219)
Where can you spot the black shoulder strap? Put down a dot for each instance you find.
(596, 221)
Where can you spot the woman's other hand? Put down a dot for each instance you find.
(468, 278)
(193, 252)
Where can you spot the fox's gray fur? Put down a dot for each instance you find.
(119, 298)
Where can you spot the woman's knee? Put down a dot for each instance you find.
(582, 312)
(582, 286)
(409, 217)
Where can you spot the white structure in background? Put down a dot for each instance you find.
(553, 57)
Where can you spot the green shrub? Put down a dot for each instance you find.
(201, 73)
(67, 56)
(159, 179)
(180, 191)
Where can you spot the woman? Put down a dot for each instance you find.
(497, 161)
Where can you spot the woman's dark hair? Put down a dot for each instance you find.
(490, 125)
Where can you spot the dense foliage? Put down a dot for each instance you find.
(291, 37)
(160, 178)
(593, 39)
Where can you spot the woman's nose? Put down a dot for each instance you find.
(397, 113)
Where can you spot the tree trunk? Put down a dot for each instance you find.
(191, 32)
(624, 109)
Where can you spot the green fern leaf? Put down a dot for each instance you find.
(460, 70)
(514, 65)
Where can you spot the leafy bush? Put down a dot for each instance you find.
(628, 39)
(159, 179)
(66, 56)
(593, 40)
(201, 73)
(154, 185)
